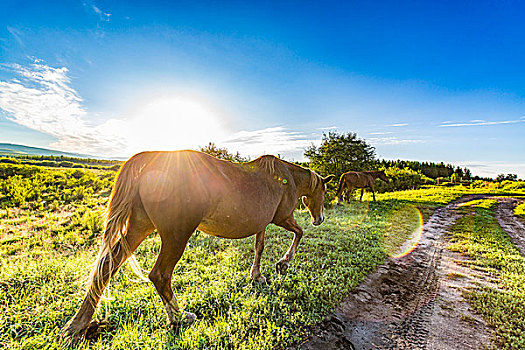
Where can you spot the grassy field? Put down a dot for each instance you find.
(520, 210)
(41, 282)
(478, 235)
(49, 238)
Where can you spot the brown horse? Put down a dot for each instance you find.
(358, 179)
(179, 192)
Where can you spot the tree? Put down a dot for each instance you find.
(222, 153)
(339, 153)
(503, 177)
(468, 174)
(459, 171)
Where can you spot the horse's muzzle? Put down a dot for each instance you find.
(318, 221)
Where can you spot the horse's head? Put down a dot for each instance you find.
(314, 200)
(383, 177)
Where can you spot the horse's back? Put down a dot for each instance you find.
(221, 197)
(358, 179)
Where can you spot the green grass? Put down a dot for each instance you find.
(481, 203)
(477, 234)
(520, 210)
(49, 234)
(40, 291)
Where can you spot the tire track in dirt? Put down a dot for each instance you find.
(511, 224)
(414, 302)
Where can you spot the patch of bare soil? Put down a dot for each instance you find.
(510, 223)
(413, 302)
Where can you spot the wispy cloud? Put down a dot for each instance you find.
(276, 140)
(101, 14)
(43, 100)
(481, 123)
(328, 128)
(380, 133)
(392, 141)
(493, 168)
(399, 124)
(16, 34)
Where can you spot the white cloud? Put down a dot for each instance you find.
(493, 168)
(380, 133)
(16, 34)
(328, 128)
(481, 122)
(400, 124)
(391, 141)
(102, 15)
(276, 140)
(43, 100)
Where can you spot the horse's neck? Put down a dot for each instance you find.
(301, 177)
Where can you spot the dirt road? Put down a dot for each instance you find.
(415, 302)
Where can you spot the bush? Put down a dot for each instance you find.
(402, 179)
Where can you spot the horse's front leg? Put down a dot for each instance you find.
(290, 225)
(259, 246)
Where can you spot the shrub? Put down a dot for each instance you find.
(402, 179)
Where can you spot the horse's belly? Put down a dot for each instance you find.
(228, 227)
(238, 215)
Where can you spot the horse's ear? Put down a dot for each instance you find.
(328, 178)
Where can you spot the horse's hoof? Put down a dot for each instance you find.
(260, 279)
(188, 318)
(72, 333)
(95, 328)
(282, 266)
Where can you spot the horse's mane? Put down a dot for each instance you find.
(314, 180)
(267, 164)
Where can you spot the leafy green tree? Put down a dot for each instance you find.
(459, 172)
(467, 174)
(222, 153)
(339, 153)
(402, 179)
(509, 177)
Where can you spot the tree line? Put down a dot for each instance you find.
(342, 152)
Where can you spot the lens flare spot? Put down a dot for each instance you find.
(355, 213)
(403, 231)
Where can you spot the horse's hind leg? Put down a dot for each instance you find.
(348, 194)
(259, 246)
(139, 228)
(290, 225)
(362, 191)
(171, 250)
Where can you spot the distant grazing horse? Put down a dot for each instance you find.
(358, 179)
(179, 192)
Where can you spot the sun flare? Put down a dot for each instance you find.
(171, 123)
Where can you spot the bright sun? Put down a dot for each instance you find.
(171, 123)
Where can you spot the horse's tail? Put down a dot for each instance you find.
(118, 213)
(340, 186)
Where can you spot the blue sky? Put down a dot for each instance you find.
(419, 80)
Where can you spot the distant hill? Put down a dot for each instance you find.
(9, 149)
